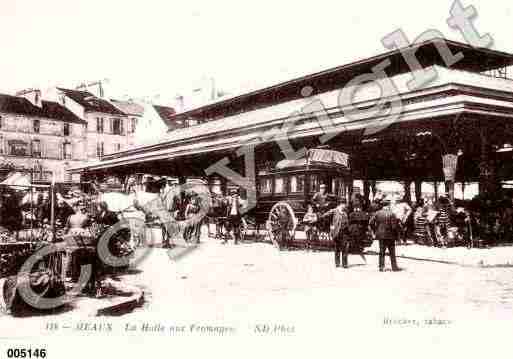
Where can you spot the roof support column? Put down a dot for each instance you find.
(366, 192)
(418, 190)
(488, 182)
(407, 191)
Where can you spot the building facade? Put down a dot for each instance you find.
(108, 129)
(40, 136)
(48, 133)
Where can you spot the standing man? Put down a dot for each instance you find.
(358, 228)
(320, 199)
(403, 211)
(385, 227)
(320, 204)
(233, 215)
(339, 232)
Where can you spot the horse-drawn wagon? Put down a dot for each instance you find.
(284, 191)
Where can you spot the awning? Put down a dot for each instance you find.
(17, 179)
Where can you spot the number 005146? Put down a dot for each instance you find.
(26, 353)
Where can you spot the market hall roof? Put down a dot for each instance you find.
(90, 102)
(474, 60)
(452, 92)
(456, 90)
(48, 109)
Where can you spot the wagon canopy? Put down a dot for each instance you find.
(329, 158)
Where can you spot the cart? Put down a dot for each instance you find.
(285, 190)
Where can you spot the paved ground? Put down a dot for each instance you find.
(499, 256)
(251, 284)
(254, 280)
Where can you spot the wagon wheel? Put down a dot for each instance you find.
(281, 224)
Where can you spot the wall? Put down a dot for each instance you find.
(110, 140)
(21, 128)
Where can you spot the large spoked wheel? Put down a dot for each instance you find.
(281, 224)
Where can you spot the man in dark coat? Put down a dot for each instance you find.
(385, 226)
(358, 229)
(339, 234)
(105, 216)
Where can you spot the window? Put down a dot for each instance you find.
(66, 150)
(67, 129)
(1, 121)
(297, 184)
(133, 124)
(37, 125)
(314, 183)
(118, 147)
(36, 148)
(99, 124)
(117, 126)
(265, 186)
(279, 185)
(99, 149)
(339, 187)
(18, 148)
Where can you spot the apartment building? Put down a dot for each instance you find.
(41, 137)
(108, 128)
(48, 133)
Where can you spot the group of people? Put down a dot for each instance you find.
(227, 209)
(352, 228)
(228, 214)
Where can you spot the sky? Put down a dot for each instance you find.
(162, 47)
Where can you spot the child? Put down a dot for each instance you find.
(310, 229)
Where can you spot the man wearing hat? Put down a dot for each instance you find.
(403, 212)
(385, 227)
(338, 232)
(320, 199)
(233, 215)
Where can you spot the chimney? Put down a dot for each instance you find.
(95, 87)
(179, 103)
(32, 95)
